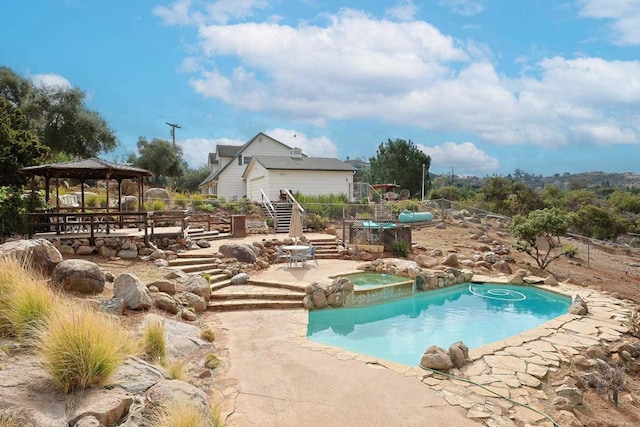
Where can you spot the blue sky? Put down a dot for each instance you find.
(482, 86)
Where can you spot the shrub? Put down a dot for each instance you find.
(208, 335)
(154, 345)
(211, 361)
(400, 248)
(180, 200)
(25, 301)
(182, 413)
(83, 348)
(92, 201)
(570, 251)
(156, 205)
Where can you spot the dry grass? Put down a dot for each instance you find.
(26, 303)
(13, 418)
(182, 413)
(154, 344)
(176, 370)
(83, 348)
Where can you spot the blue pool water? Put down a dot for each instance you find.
(401, 330)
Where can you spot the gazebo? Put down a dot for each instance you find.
(83, 170)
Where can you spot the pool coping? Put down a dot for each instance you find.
(514, 367)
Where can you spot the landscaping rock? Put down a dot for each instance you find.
(113, 306)
(194, 301)
(134, 293)
(459, 354)
(198, 285)
(436, 358)
(243, 253)
(163, 301)
(166, 286)
(40, 254)
(78, 275)
(240, 279)
(578, 306)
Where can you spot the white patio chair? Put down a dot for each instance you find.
(282, 254)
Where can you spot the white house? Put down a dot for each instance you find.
(266, 164)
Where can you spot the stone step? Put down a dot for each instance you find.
(221, 284)
(253, 305)
(291, 287)
(185, 261)
(183, 255)
(199, 268)
(258, 296)
(217, 277)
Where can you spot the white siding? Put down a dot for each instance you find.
(230, 183)
(310, 183)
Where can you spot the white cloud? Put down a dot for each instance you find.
(50, 81)
(623, 17)
(463, 7)
(195, 151)
(176, 14)
(313, 147)
(465, 157)
(410, 74)
(404, 10)
(183, 12)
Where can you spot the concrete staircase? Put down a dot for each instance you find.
(254, 294)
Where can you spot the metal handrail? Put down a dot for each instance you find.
(294, 201)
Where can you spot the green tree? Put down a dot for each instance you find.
(19, 146)
(596, 222)
(447, 192)
(191, 178)
(552, 196)
(58, 116)
(574, 200)
(538, 234)
(400, 162)
(160, 157)
(509, 197)
(625, 201)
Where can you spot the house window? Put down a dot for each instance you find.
(247, 160)
(239, 160)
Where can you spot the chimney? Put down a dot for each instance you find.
(296, 153)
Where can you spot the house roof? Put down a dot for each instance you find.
(303, 163)
(86, 169)
(228, 150)
(240, 150)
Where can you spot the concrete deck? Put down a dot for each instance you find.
(279, 378)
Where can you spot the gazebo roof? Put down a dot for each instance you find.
(86, 169)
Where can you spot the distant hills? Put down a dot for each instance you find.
(565, 181)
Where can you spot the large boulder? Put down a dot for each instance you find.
(194, 301)
(39, 254)
(579, 306)
(157, 194)
(243, 253)
(198, 285)
(134, 293)
(78, 275)
(163, 301)
(436, 358)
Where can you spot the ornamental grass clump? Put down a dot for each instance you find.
(183, 413)
(154, 344)
(82, 348)
(26, 303)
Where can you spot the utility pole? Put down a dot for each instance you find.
(173, 131)
(423, 183)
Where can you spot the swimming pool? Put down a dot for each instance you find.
(401, 330)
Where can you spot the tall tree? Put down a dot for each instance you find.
(160, 157)
(19, 146)
(58, 116)
(400, 162)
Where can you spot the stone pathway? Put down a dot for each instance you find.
(511, 370)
